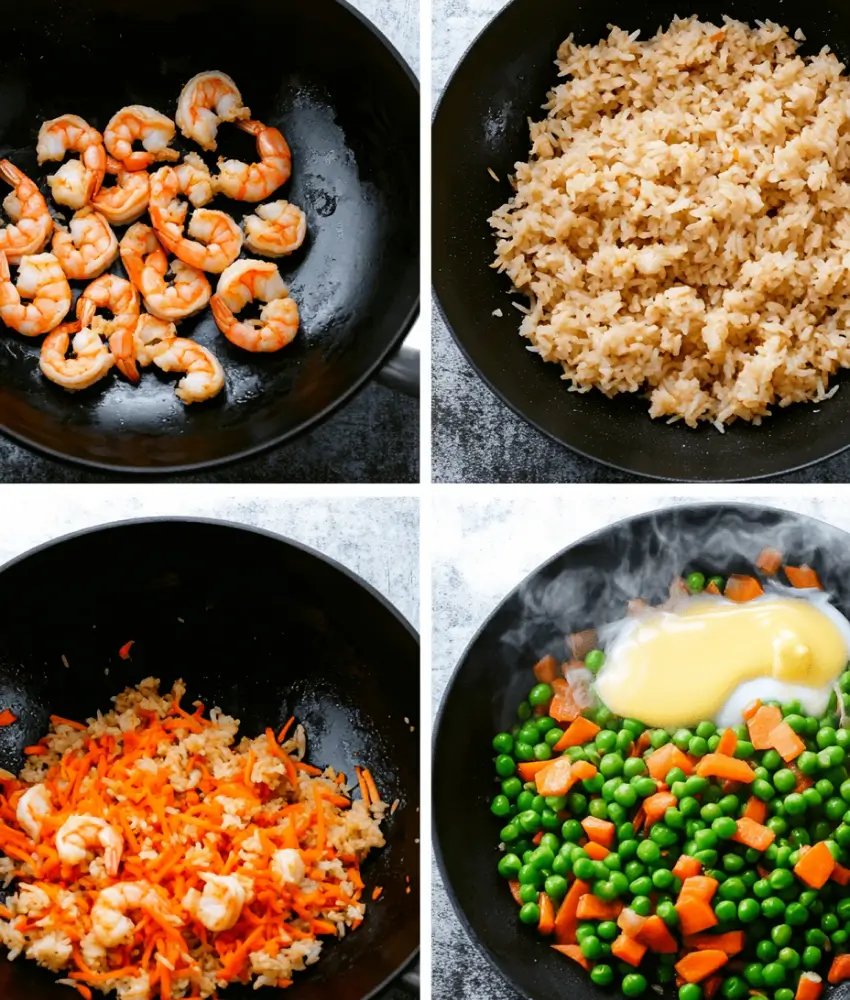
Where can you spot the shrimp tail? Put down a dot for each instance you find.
(223, 316)
(5, 273)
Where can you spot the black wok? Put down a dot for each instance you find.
(586, 585)
(257, 624)
(349, 107)
(481, 123)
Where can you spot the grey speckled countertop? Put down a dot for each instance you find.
(483, 550)
(372, 439)
(498, 446)
(376, 538)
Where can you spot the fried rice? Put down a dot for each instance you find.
(191, 860)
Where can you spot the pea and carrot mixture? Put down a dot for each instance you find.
(713, 859)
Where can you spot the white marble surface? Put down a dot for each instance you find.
(482, 551)
(376, 538)
(399, 21)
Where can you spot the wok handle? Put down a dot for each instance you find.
(401, 371)
(408, 982)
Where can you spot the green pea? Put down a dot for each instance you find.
(744, 749)
(633, 767)
(732, 888)
(624, 742)
(697, 746)
(625, 795)
(734, 988)
(511, 787)
(783, 993)
(634, 984)
(500, 806)
(800, 835)
(607, 930)
(642, 905)
(695, 582)
(834, 809)
(761, 889)
(530, 913)
(711, 811)
(772, 907)
(503, 743)
(658, 737)
(705, 839)
(826, 737)
(540, 694)
(509, 833)
(634, 869)
(542, 751)
(774, 974)
(748, 911)
(726, 911)
(644, 786)
(528, 821)
(663, 878)
(725, 827)
(796, 914)
(611, 765)
(780, 878)
(766, 951)
(529, 893)
(577, 804)
(785, 780)
(681, 738)
(524, 751)
(553, 737)
(584, 869)
(807, 763)
(789, 958)
(771, 760)
(602, 974)
(594, 660)
(690, 991)
(641, 886)
(781, 935)
(829, 923)
(811, 957)
(707, 858)
(648, 852)
(763, 789)
(795, 804)
(753, 974)
(509, 866)
(666, 910)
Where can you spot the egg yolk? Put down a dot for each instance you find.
(676, 668)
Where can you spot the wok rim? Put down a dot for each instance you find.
(516, 408)
(269, 536)
(278, 439)
(480, 946)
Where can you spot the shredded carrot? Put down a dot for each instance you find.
(35, 751)
(283, 733)
(658, 804)
(374, 794)
(364, 791)
(712, 588)
(124, 651)
(751, 709)
(376, 892)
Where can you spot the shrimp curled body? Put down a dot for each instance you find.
(139, 123)
(120, 297)
(91, 362)
(256, 181)
(78, 834)
(111, 927)
(152, 336)
(207, 100)
(276, 229)
(32, 223)
(125, 201)
(240, 284)
(204, 375)
(42, 280)
(77, 181)
(88, 247)
(220, 905)
(148, 266)
(34, 806)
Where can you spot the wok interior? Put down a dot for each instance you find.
(350, 113)
(482, 124)
(268, 630)
(634, 558)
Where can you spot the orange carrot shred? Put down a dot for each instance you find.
(124, 651)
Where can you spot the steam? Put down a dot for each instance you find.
(590, 584)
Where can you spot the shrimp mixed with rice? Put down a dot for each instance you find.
(152, 853)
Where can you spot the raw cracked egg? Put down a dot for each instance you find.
(709, 658)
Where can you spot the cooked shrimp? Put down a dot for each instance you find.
(288, 865)
(276, 229)
(32, 223)
(195, 180)
(120, 297)
(152, 335)
(240, 284)
(256, 181)
(219, 906)
(147, 265)
(125, 201)
(91, 361)
(212, 241)
(139, 123)
(204, 374)
(77, 181)
(88, 247)
(80, 833)
(34, 806)
(42, 280)
(206, 100)
(111, 926)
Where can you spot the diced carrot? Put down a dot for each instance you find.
(656, 805)
(546, 924)
(769, 561)
(631, 923)
(803, 780)
(756, 810)
(581, 643)
(761, 724)
(712, 588)
(590, 907)
(718, 765)
(711, 987)
(546, 670)
(655, 935)
(566, 921)
(731, 942)
(728, 743)
(639, 818)
(695, 915)
(803, 577)
(753, 834)
(699, 965)
(563, 707)
(7, 718)
(840, 969)
(574, 952)
(579, 732)
(699, 887)
(665, 758)
(514, 887)
(596, 852)
(686, 867)
(742, 588)
(528, 769)
(840, 874)
(583, 769)
(751, 709)
(628, 950)
(816, 865)
(786, 742)
(601, 831)
(555, 779)
(124, 651)
(809, 987)
(537, 838)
